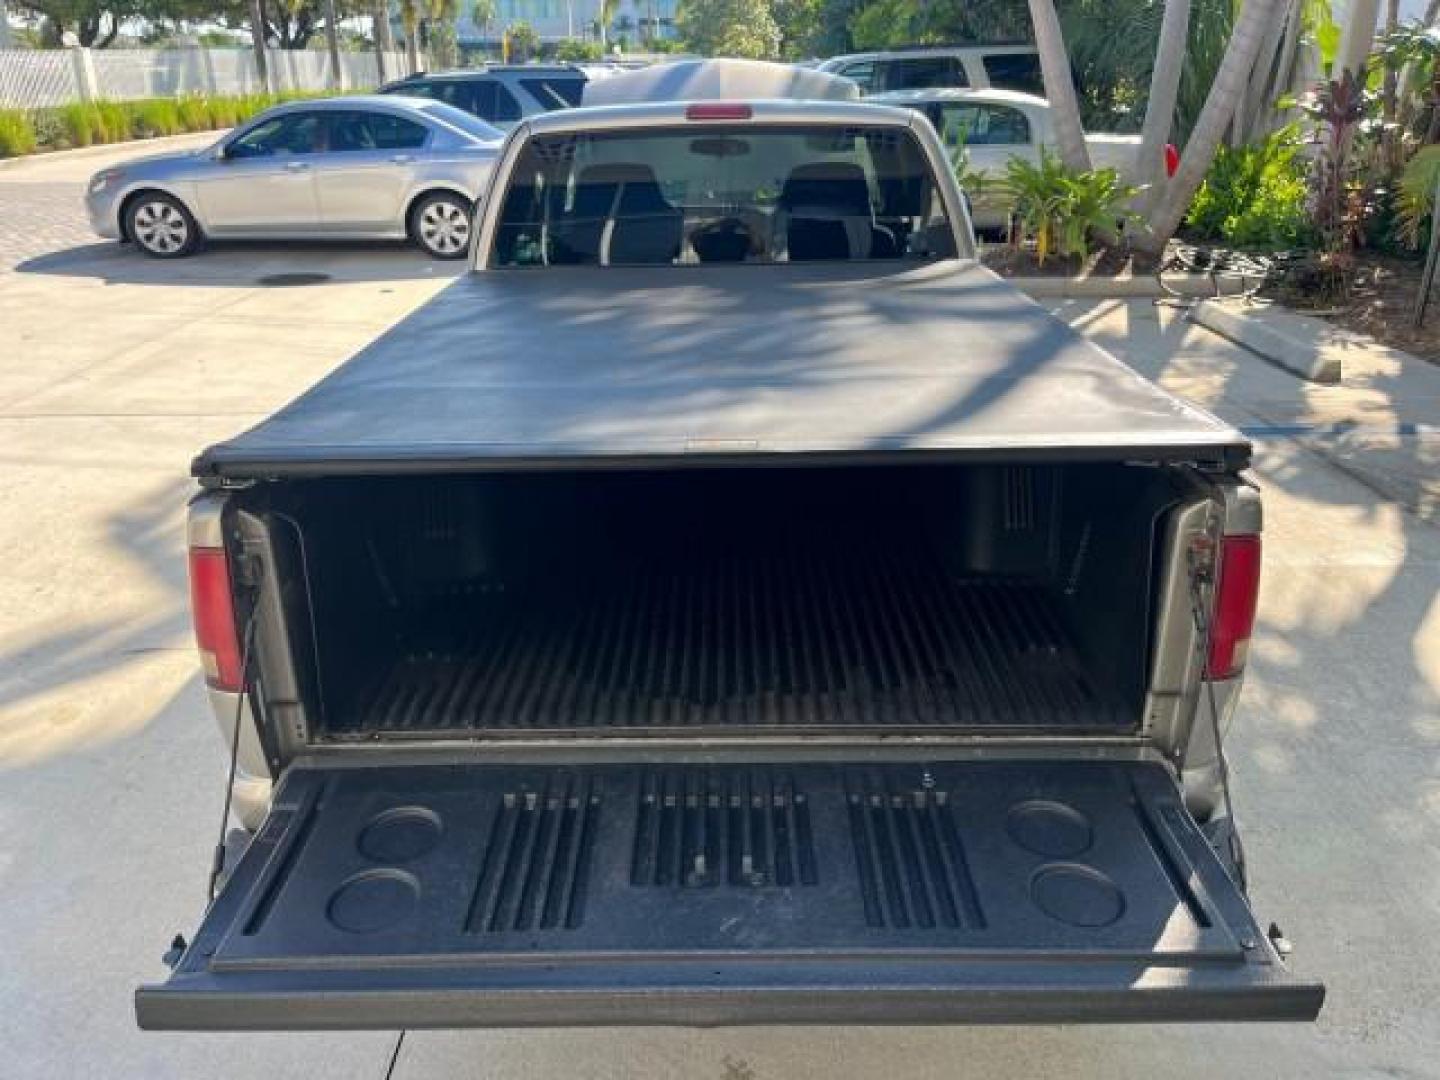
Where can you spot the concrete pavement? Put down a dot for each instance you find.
(114, 370)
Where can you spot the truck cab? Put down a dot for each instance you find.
(730, 604)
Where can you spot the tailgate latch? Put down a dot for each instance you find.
(175, 952)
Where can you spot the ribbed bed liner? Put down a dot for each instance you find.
(788, 636)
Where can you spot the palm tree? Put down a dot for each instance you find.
(1220, 104)
(1059, 85)
(604, 19)
(482, 15)
(1164, 92)
(440, 17)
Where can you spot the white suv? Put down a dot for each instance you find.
(1005, 67)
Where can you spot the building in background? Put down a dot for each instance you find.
(634, 22)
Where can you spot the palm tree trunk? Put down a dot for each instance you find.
(384, 39)
(410, 20)
(1059, 85)
(1259, 104)
(1225, 91)
(1148, 167)
(1356, 39)
(332, 43)
(257, 37)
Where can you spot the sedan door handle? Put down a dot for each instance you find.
(296, 166)
(402, 159)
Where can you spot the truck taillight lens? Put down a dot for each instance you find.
(213, 609)
(1172, 159)
(1237, 589)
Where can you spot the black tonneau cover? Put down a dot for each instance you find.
(664, 366)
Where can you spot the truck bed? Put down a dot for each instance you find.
(672, 366)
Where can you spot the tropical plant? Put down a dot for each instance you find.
(1058, 208)
(440, 24)
(482, 14)
(575, 51)
(743, 28)
(1417, 196)
(1410, 53)
(1339, 197)
(1255, 196)
(522, 42)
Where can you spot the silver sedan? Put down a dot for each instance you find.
(357, 167)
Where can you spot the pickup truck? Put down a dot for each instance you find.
(993, 126)
(729, 604)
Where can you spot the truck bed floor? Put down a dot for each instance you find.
(861, 633)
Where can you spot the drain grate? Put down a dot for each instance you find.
(722, 828)
(284, 281)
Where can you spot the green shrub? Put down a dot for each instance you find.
(193, 113)
(115, 120)
(17, 136)
(1059, 208)
(155, 118)
(49, 128)
(1254, 196)
(80, 124)
(92, 123)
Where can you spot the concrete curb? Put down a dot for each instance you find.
(1305, 346)
(1122, 287)
(160, 145)
(1090, 288)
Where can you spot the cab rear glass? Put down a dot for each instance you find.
(723, 194)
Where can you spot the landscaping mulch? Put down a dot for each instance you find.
(1381, 303)
(1008, 262)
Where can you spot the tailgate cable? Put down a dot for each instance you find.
(1201, 558)
(217, 863)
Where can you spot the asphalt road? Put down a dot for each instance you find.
(114, 370)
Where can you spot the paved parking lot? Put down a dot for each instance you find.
(114, 371)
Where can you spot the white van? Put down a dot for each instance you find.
(1005, 67)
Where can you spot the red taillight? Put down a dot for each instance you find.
(213, 609)
(1172, 159)
(1237, 588)
(721, 110)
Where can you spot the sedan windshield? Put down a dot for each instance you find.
(743, 193)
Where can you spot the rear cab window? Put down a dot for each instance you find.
(749, 193)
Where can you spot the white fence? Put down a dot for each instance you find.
(31, 78)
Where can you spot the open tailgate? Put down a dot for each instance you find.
(524, 895)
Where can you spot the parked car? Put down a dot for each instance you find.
(334, 168)
(1003, 66)
(994, 126)
(499, 94)
(730, 603)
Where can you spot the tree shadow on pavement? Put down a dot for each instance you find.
(243, 264)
